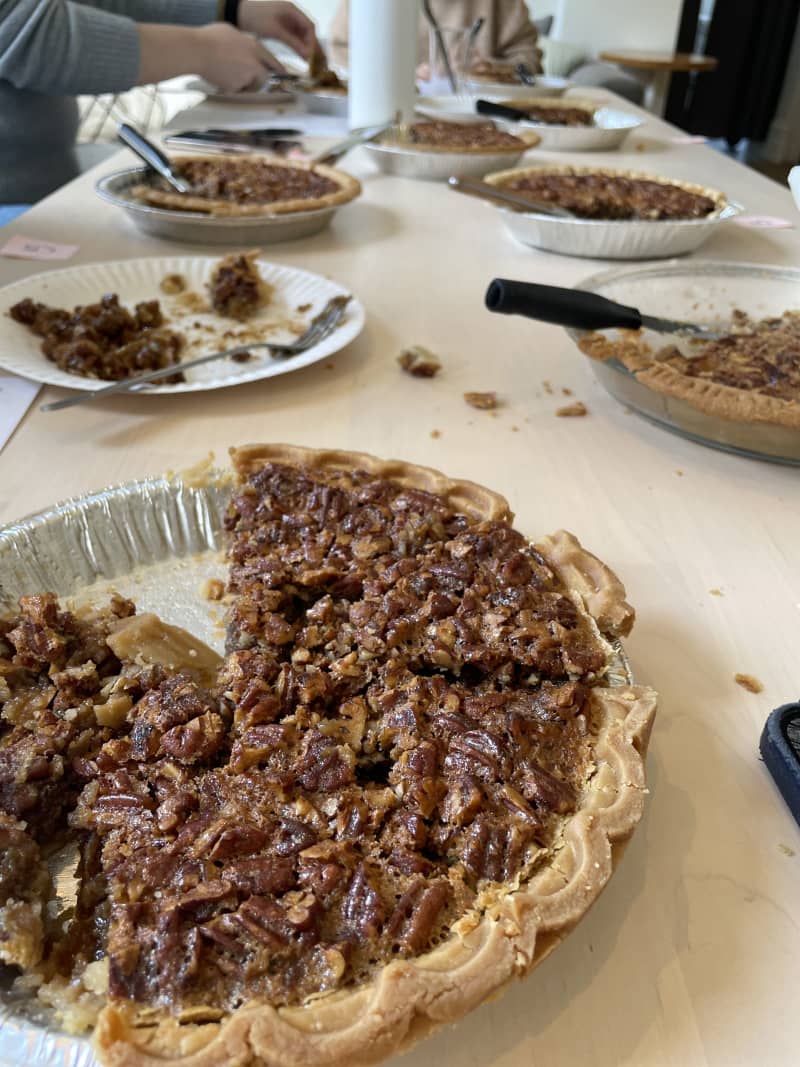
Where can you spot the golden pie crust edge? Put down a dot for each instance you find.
(348, 189)
(528, 137)
(520, 926)
(501, 177)
(712, 398)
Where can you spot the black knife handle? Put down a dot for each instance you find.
(564, 307)
(500, 111)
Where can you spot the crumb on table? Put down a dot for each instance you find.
(749, 682)
(482, 401)
(565, 391)
(419, 362)
(436, 434)
(786, 850)
(716, 592)
(572, 410)
(547, 386)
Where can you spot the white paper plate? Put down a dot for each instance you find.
(454, 108)
(323, 102)
(138, 279)
(264, 97)
(546, 85)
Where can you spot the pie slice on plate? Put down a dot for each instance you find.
(411, 776)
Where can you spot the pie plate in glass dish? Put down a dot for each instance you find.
(187, 311)
(437, 161)
(614, 238)
(707, 293)
(200, 227)
(406, 963)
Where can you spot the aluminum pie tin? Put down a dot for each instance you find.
(406, 162)
(608, 129)
(155, 541)
(195, 227)
(616, 238)
(707, 293)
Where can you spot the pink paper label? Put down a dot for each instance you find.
(21, 247)
(764, 222)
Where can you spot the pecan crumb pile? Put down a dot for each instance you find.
(482, 401)
(420, 362)
(400, 721)
(236, 287)
(103, 340)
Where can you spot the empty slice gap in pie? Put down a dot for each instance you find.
(410, 776)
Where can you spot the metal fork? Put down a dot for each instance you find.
(321, 326)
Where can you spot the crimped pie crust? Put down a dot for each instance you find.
(348, 189)
(712, 398)
(502, 177)
(527, 137)
(520, 924)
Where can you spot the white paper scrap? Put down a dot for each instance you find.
(16, 396)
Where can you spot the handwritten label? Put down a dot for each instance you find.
(16, 396)
(21, 247)
(764, 222)
(689, 138)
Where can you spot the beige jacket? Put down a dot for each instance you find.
(507, 33)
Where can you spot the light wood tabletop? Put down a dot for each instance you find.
(692, 954)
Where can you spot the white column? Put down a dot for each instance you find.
(383, 60)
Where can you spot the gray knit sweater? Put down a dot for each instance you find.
(52, 51)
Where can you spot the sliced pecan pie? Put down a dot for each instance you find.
(251, 185)
(409, 780)
(750, 374)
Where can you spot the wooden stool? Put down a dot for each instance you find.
(656, 69)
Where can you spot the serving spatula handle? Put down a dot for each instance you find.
(500, 111)
(564, 307)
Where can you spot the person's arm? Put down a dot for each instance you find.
(517, 37)
(55, 46)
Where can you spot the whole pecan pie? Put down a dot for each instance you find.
(410, 777)
(250, 185)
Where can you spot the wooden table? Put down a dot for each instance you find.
(656, 70)
(692, 954)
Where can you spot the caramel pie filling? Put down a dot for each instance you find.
(253, 181)
(103, 340)
(464, 135)
(759, 356)
(400, 724)
(606, 196)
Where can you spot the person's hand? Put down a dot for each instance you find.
(230, 59)
(280, 21)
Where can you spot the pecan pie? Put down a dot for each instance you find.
(553, 114)
(103, 340)
(409, 779)
(251, 185)
(436, 135)
(610, 194)
(751, 374)
(236, 287)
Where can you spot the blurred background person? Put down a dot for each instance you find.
(508, 35)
